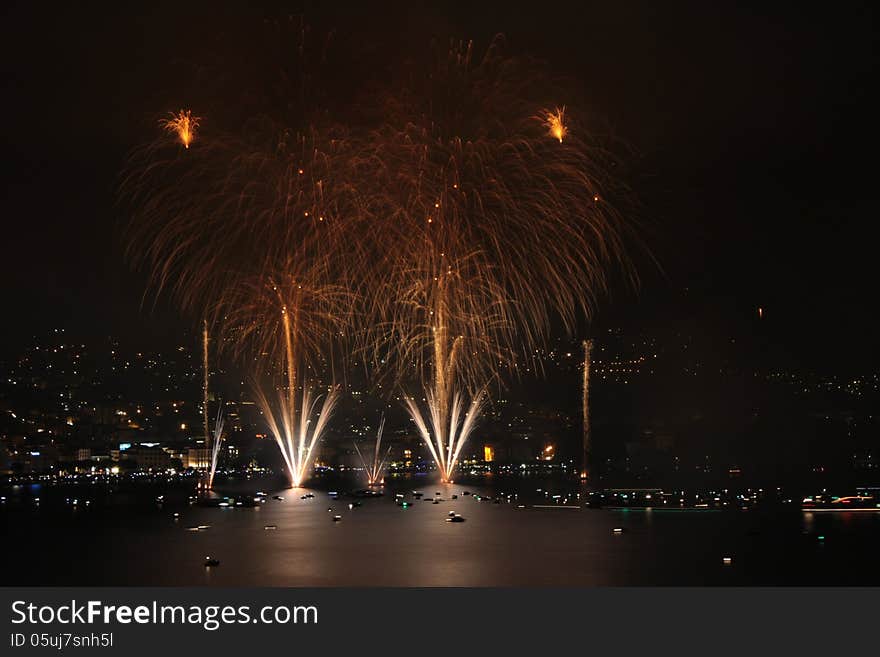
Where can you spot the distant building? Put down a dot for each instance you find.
(197, 457)
(34, 459)
(147, 457)
(178, 454)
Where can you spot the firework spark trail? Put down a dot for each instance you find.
(215, 447)
(205, 381)
(280, 318)
(238, 210)
(183, 124)
(587, 442)
(445, 434)
(297, 435)
(556, 123)
(375, 469)
(212, 439)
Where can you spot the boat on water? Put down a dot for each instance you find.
(863, 500)
(367, 493)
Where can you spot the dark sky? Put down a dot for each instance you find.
(754, 132)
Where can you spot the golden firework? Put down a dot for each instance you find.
(183, 124)
(492, 236)
(435, 231)
(555, 122)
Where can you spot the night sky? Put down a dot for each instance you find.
(753, 135)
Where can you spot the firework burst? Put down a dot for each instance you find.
(253, 232)
(555, 122)
(183, 125)
(249, 233)
(441, 232)
(495, 233)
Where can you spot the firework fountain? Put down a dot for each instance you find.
(375, 469)
(440, 228)
(293, 429)
(503, 227)
(250, 227)
(297, 429)
(272, 280)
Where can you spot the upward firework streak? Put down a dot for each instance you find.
(205, 381)
(376, 467)
(215, 447)
(450, 418)
(588, 447)
(293, 429)
(296, 429)
(212, 442)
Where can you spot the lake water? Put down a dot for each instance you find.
(138, 542)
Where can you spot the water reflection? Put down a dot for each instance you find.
(506, 541)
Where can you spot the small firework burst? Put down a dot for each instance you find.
(555, 122)
(183, 124)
